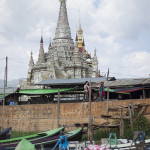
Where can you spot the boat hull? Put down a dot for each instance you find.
(5, 134)
(13, 144)
(50, 141)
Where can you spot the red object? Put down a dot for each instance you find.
(87, 90)
(103, 93)
(80, 50)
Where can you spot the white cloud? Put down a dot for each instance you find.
(138, 63)
(122, 19)
(108, 27)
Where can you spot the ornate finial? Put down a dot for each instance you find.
(76, 37)
(95, 50)
(76, 44)
(95, 55)
(41, 39)
(61, 1)
(79, 16)
(41, 34)
(50, 44)
(41, 58)
(80, 31)
(83, 44)
(62, 30)
(31, 63)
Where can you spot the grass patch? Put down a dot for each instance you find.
(101, 133)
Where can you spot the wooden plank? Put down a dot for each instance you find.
(122, 107)
(81, 124)
(131, 120)
(142, 110)
(58, 109)
(106, 126)
(105, 123)
(107, 100)
(132, 108)
(144, 104)
(143, 93)
(114, 117)
(90, 135)
(106, 116)
(121, 125)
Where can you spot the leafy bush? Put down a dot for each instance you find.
(140, 123)
(100, 133)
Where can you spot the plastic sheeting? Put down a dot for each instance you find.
(97, 147)
(42, 91)
(25, 145)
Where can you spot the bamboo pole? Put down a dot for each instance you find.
(3, 109)
(143, 93)
(6, 72)
(131, 119)
(90, 136)
(132, 108)
(121, 125)
(58, 109)
(107, 100)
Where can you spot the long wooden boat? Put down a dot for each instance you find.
(75, 135)
(5, 134)
(34, 136)
(49, 141)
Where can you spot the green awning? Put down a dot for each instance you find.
(2, 95)
(42, 91)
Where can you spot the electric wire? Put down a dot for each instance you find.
(18, 61)
(2, 59)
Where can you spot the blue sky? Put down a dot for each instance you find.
(119, 29)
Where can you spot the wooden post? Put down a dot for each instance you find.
(121, 125)
(90, 138)
(107, 100)
(76, 94)
(3, 109)
(131, 120)
(6, 71)
(143, 93)
(58, 109)
(132, 108)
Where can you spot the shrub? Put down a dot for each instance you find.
(140, 123)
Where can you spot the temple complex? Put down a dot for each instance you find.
(65, 58)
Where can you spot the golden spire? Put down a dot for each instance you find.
(80, 32)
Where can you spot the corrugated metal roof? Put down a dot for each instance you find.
(126, 82)
(70, 81)
(147, 81)
(8, 90)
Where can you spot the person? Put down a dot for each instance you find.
(86, 90)
(101, 91)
